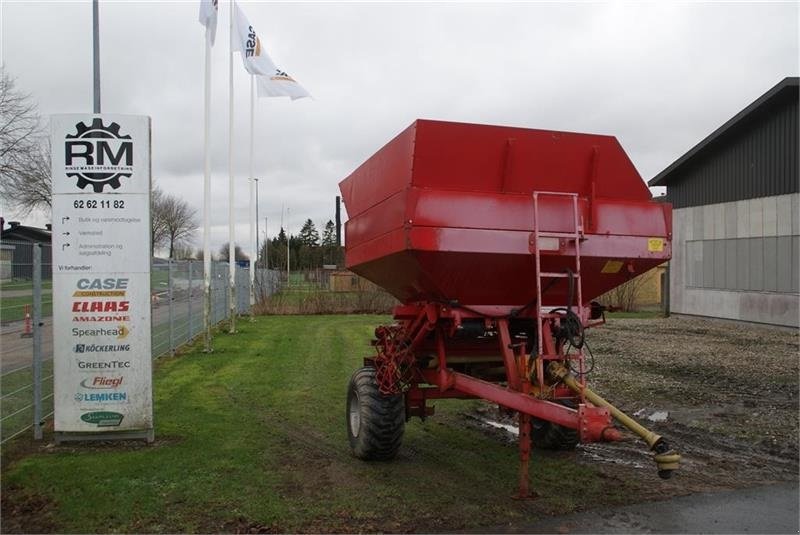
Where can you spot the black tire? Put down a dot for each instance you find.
(375, 423)
(549, 436)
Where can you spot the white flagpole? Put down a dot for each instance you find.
(231, 236)
(253, 251)
(207, 203)
(288, 249)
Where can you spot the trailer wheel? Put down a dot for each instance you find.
(375, 423)
(549, 436)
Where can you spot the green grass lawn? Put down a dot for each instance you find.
(13, 308)
(23, 284)
(253, 437)
(640, 314)
(16, 388)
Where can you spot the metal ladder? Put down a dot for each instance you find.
(576, 235)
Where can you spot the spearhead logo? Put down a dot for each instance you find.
(98, 155)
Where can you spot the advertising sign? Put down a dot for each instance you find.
(101, 273)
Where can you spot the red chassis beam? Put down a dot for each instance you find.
(512, 399)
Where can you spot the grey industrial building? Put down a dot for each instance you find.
(736, 216)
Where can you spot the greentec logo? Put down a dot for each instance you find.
(103, 418)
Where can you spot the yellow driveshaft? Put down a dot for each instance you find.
(666, 458)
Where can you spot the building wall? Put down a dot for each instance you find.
(738, 260)
(347, 281)
(757, 158)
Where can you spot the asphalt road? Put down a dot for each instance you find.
(768, 509)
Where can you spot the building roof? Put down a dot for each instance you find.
(783, 90)
(24, 233)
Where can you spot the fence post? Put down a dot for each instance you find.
(228, 300)
(37, 341)
(171, 318)
(189, 306)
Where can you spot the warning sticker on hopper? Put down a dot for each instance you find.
(612, 266)
(655, 245)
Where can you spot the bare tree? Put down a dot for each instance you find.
(625, 296)
(158, 214)
(183, 252)
(174, 221)
(181, 223)
(24, 151)
(238, 254)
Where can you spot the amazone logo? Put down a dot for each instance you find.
(103, 418)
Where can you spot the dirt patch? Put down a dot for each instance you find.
(725, 396)
(26, 513)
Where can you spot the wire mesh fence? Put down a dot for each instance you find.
(177, 294)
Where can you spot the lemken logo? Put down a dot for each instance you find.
(98, 155)
(103, 418)
(102, 397)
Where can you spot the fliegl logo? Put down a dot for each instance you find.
(99, 382)
(99, 155)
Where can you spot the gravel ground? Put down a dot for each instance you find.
(729, 393)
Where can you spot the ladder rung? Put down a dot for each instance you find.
(553, 274)
(556, 193)
(568, 235)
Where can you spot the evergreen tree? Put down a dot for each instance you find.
(309, 235)
(329, 234)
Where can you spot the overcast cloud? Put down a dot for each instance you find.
(660, 77)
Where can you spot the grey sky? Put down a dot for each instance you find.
(660, 77)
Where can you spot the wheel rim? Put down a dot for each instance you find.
(354, 413)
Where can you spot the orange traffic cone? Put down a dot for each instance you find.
(28, 331)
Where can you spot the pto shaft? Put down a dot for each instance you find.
(666, 458)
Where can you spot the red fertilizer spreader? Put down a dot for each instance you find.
(496, 240)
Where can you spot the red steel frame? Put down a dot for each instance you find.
(430, 328)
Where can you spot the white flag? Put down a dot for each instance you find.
(272, 81)
(280, 84)
(208, 18)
